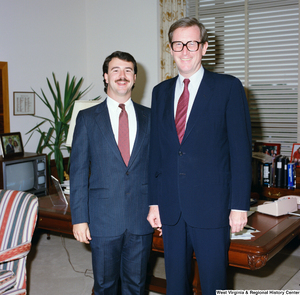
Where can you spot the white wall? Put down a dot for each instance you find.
(41, 37)
(130, 26)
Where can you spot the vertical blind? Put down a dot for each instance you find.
(258, 42)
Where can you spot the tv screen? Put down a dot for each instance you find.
(20, 176)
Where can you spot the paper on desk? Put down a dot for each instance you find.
(66, 183)
(66, 186)
(245, 234)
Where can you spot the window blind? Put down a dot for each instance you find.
(258, 42)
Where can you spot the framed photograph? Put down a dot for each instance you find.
(272, 149)
(295, 155)
(11, 144)
(24, 103)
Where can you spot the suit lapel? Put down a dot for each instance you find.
(202, 98)
(103, 123)
(168, 113)
(141, 132)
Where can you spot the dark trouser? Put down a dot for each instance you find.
(123, 257)
(211, 248)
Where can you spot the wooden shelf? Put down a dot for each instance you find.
(277, 192)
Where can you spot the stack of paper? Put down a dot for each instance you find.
(66, 186)
(245, 234)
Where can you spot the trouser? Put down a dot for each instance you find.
(124, 257)
(211, 249)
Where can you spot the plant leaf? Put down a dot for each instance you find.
(60, 114)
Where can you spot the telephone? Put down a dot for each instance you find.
(282, 206)
(292, 197)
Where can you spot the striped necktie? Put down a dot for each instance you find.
(180, 118)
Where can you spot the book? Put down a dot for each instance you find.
(274, 164)
(267, 174)
(291, 175)
(285, 161)
(279, 172)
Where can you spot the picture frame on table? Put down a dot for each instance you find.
(24, 103)
(295, 154)
(272, 149)
(11, 144)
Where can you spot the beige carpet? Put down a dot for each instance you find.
(62, 266)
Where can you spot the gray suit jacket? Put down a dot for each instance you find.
(105, 193)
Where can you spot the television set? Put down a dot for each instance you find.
(25, 173)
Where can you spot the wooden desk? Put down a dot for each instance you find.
(275, 233)
(54, 218)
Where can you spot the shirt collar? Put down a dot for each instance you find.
(194, 79)
(111, 103)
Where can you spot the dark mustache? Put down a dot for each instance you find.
(122, 79)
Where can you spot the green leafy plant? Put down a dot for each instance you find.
(55, 138)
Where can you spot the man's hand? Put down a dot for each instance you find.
(154, 218)
(237, 220)
(81, 232)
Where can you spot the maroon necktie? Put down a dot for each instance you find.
(123, 140)
(180, 118)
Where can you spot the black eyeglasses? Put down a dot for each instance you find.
(192, 46)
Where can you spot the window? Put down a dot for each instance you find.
(258, 42)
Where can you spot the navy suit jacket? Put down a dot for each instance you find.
(105, 193)
(210, 172)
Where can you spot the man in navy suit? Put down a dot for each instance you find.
(109, 191)
(200, 163)
(9, 147)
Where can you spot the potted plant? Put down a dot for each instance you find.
(61, 111)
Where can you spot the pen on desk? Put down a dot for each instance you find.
(249, 227)
(296, 214)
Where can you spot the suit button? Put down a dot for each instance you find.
(180, 153)
(127, 172)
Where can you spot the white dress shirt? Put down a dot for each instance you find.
(193, 87)
(114, 112)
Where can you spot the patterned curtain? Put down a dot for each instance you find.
(171, 11)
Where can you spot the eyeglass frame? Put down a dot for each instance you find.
(185, 44)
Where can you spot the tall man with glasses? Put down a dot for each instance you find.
(109, 182)
(200, 163)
